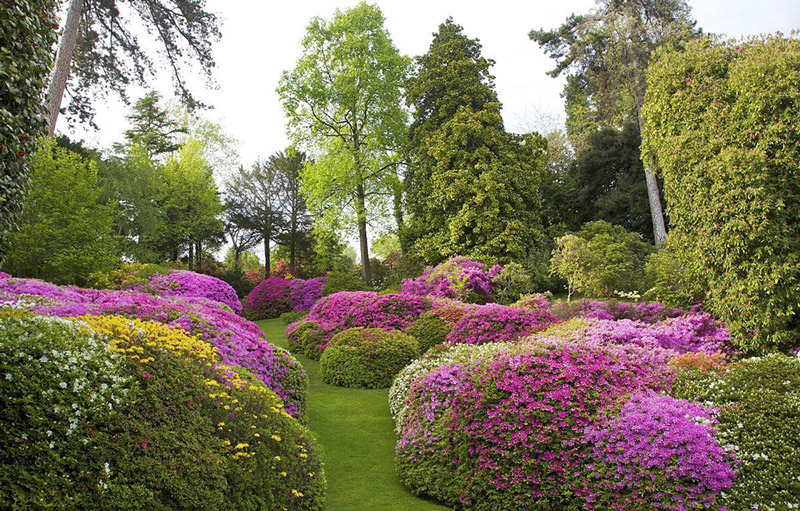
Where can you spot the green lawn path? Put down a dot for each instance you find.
(356, 432)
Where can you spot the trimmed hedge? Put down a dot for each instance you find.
(366, 357)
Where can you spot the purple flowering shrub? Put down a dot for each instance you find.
(239, 342)
(657, 452)
(613, 310)
(504, 432)
(304, 293)
(498, 323)
(392, 311)
(333, 309)
(184, 283)
(267, 300)
(460, 278)
(536, 302)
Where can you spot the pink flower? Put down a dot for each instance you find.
(146, 375)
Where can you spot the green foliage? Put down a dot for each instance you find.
(385, 244)
(721, 124)
(27, 35)
(65, 232)
(248, 260)
(292, 317)
(472, 188)
(429, 330)
(600, 259)
(126, 276)
(759, 401)
(343, 102)
(366, 357)
(512, 283)
(669, 280)
(343, 281)
(152, 127)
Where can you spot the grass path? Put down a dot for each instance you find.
(356, 432)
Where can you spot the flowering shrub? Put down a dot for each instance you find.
(759, 402)
(366, 357)
(503, 432)
(497, 323)
(429, 330)
(646, 312)
(391, 312)
(536, 302)
(183, 283)
(333, 309)
(303, 293)
(268, 300)
(256, 276)
(656, 453)
(459, 278)
(309, 337)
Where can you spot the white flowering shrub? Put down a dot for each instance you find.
(759, 402)
(59, 388)
(435, 357)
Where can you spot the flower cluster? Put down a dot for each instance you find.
(275, 296)
(656, 453)
(459, 278)
(393, 311)
(184, 283)
(498, 323)
(613, 310)
(334, 309)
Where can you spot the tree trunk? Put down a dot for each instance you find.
(266, 255)
(198, 258)
(293, 242)
(366, 272)
(659, 230)
(66, 48)
(191, 256)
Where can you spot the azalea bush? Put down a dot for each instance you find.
(309, 338)
(390, 311)
(612, 309)
(460, 278)
(333, 309)
(498, 323)
(366, 357)
(275, 296)
(429, 330)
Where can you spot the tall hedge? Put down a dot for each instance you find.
(28, 31)
(722, 125)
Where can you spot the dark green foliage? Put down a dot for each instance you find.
(512, 283)
(152, 127)
(471, 187)
(27, 35)
(722, 126)
(366, 357)
(291, 317)
(760, 415)
(342, 280)
(671, 281)
(65, 231)
(429, 330)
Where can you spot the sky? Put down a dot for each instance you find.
(261, 39)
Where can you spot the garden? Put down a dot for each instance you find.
(411, 307)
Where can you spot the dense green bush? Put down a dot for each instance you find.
(28, 31)
(429, 330)
(722, 127)
(670, 281)
(343, 280)
(759, 401)
(601, 259)
(366, 357)
(512, 283)
(293, 316)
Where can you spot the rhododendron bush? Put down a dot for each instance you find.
(276, 295)
(497, 323)
(459, 278)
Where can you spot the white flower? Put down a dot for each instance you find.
(63, 384)
(8, 376)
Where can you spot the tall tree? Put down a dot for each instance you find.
(471, 187)
(292, 202)
(241, 236)
(100, 50)
(606, 53)
(343, 100)
(153, 128)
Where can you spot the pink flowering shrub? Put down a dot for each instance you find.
(656, 453)
(459, 278)
(333, 309)
(304, 293)
(184, 283)
(646, 312)
(505, 432)
(536, 302)
(268, 300)
(498, 323)
(390, 311)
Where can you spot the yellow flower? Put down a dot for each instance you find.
(242, 446)
(276, 438)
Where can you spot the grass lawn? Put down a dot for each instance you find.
(356, 432)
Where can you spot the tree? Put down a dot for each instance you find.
(153, 128)
(722, 126)
(101, 52)
(242, 237)
(471, 187)
(297, 219)
(343, 100)
(27, 37)
(607, 52)
(66, 229)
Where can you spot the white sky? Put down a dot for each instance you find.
(261, 39)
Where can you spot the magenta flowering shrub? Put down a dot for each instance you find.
(268, 300)
(505, 432)
(304, 293)
(333, 309)
(239, 342)
(535, 302)
(460, 278)
(498, 323)
(185, 283)
(656, 453)
(394, 311)
(646, 312)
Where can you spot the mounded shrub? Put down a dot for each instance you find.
(339, 281)
(268, 300)
(504, 432)
(535, 302)
(334, 309)
(460, 278)
(183, 283)
(309, 338)
(293, 317)
(648, 312)
(366, 357)
(429, 330)
(759, 402)
(657, 452)
(304, 293)
(391, 311)
(498, 323)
